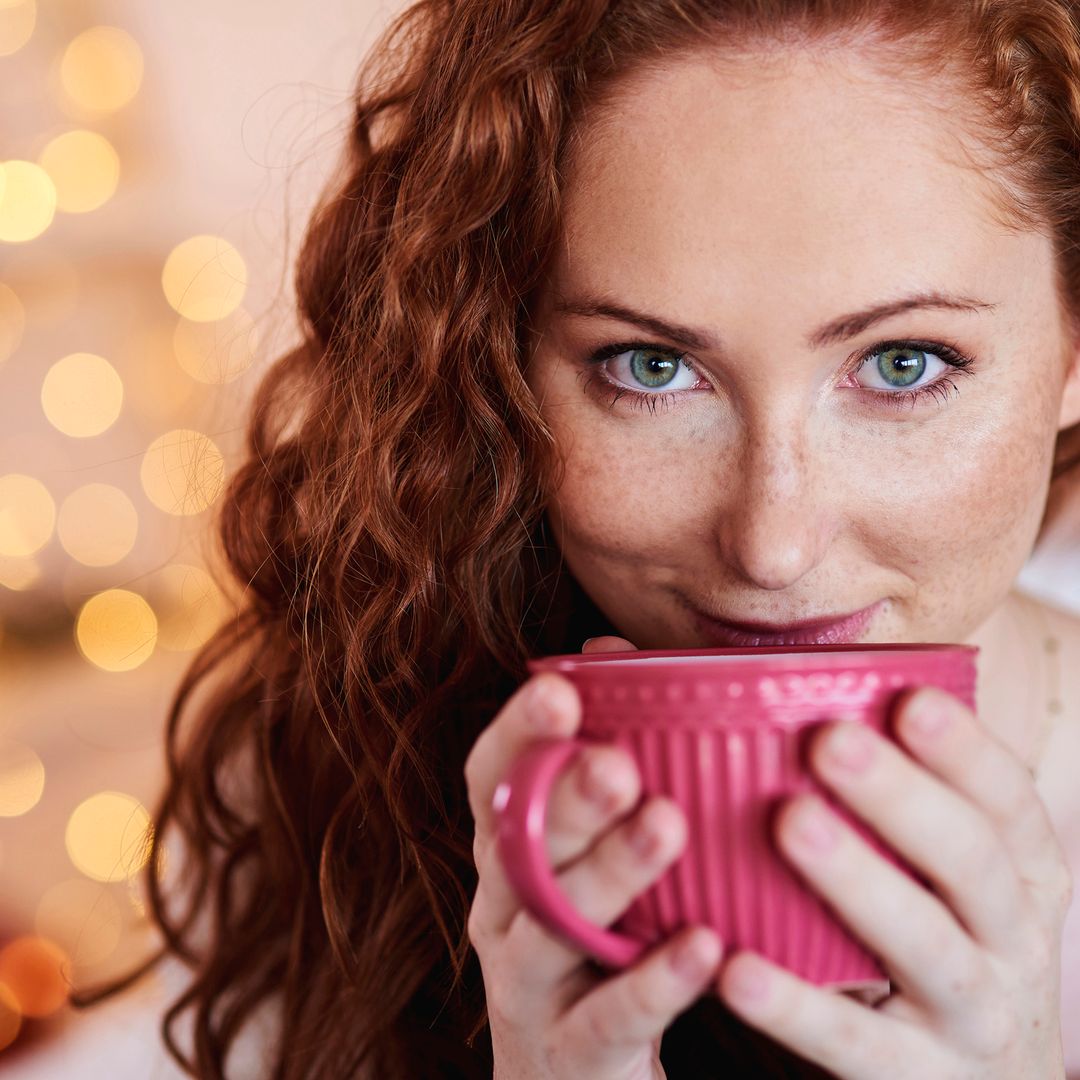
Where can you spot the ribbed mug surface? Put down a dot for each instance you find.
(724, 732)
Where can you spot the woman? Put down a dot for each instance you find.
(816, 266)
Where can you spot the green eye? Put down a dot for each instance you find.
(653, 368)
(901, 367)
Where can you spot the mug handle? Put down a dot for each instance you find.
(520, 805)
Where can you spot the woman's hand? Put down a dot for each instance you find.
(550, 1014)
(976, 961)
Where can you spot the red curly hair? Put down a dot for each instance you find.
(385, 537)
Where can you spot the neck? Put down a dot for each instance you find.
(1014, 690)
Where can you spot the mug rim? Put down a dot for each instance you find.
(873, 654)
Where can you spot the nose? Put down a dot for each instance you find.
(779, 522)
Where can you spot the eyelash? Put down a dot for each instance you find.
(603, 385)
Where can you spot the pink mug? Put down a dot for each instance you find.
(723, 733)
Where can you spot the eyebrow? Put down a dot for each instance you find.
(836, 330)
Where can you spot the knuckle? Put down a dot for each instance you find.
(599, 1026)
(993, 1032)
(849, 1032)
(523, 940)
(1064, 886)
(470, 770)
(957, 956)
(1040, 954)
(476, 925)
(640, 994)
(981, 857)
(504, 998)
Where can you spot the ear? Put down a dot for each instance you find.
(1070, 395)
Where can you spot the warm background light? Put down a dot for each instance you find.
(37, 972)
(204, 278)
(84, 169)
(189, 604)
(159, 391)
(10, 1017)
(102, 69)
(22, 779)
(27, 201)
(116, 630)
(12, 321)
(82, 395)
(216, 352)
(18, 574)
(97, 524)
(17, 18)
(50, 286)
(108, 836)
(82, 917)
(27, 515)
(182, 472)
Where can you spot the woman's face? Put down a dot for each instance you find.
(791, 474)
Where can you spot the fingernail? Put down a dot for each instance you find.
(597, 784)
(928, 715)
(586, 642)
(849, 745)
(697, 955)
(540, 707)
(814, 827)
(645, 837)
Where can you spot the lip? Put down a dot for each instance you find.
(829, 630)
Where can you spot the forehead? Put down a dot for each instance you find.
(819, 174)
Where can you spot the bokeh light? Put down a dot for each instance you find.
(82, 917)
(27, 515)
(19, 574)
(189, 604)
(216, 352)
(10, 1016)
(116, 630)
(108, 836)
(102, 69)
(159, 394)
(22, 779)
(84, 169)
(82, 395)
(17, 19)
(27, 202)
(97, 524)
(182, 472)
(12, 321)
(204, 278)
(37, 972)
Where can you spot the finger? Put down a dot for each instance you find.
(969, 757)
(607, 643)
(847, 1039)
(936, 827)
(496, 902)
(925, 950)
(607, 1028)
(601, 885)
(545, 706)
(601, 785)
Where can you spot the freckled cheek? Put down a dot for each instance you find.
(626, 500)
(973, 501)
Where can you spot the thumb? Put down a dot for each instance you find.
(608, 643)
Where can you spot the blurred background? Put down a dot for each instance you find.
(157, 165)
